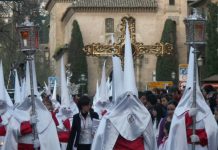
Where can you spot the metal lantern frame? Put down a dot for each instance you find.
(195, 36)
(195, 29)
(29, 38)
(29, 43)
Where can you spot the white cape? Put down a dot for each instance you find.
(130, 119)
(46, 129)
(177, 137)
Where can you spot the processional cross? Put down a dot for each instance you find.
(117, 49)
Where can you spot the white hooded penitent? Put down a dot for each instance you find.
(204, 118)
(3, 92)
(35, 85)
(17, 90)
(53, 98)
(128, 118)
(47, 89)
(27, 82)
(65, 97)
(102, 104)
(103, 95)
(23, 88)
(54, 101)
(117, 81)
(96, 97)
(129, 73)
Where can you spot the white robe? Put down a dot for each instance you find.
(5, 120)
(178, 139)
(46, 129)
(62, 117)
(204, 118)
(130, 119)
(163, 145)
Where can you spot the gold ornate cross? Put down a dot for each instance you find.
(138, 48)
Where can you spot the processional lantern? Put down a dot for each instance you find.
(29, 43)
(195, 36)
(29, 37)
(195, 29)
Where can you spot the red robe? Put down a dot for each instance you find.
(123, 144)
(25, 128)
(201, 133)
(2, 128)
(64, 135)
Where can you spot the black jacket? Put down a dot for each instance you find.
(76, 128)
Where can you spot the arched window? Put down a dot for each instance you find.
(171, 2)
(109, 25)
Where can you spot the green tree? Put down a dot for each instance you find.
(9, 53)
(76, 56)
(168, 63)
(211, 56)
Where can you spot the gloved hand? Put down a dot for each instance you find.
(33, 119)
(193, 112)
(194, 138)
(36, 143)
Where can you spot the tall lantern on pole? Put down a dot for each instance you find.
(195, 36)
(29, 44)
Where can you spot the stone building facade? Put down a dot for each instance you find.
(98, 19)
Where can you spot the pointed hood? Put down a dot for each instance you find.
(117, 81)
(54, 101)
(65, 97)
(17, 90)
(35, 85)
(103, 97)
(108, 82)
(129, 73)
(23, 89)
(4, 96)
(53, 98)
(187, 99)
(96, 97)
(2, 84)
(110, 89)
(47, 89)
(27, 82)
(8, 98)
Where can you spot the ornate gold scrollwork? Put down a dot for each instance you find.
(117, 49)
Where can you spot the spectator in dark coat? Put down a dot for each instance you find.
(81, 132)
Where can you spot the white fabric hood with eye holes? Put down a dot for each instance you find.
(204, 116)
(17, 90)
(66, 100)
(128, 117)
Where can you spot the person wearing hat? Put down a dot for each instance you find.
(181, 136)
(82, 129)
(31, 130)
(102, 103)
(66, 110)
(5, 107)
(128, 125)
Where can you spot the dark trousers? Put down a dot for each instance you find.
(84, 147)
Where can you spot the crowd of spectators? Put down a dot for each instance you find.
(161, 104)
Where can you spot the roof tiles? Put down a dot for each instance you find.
(115, 4)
